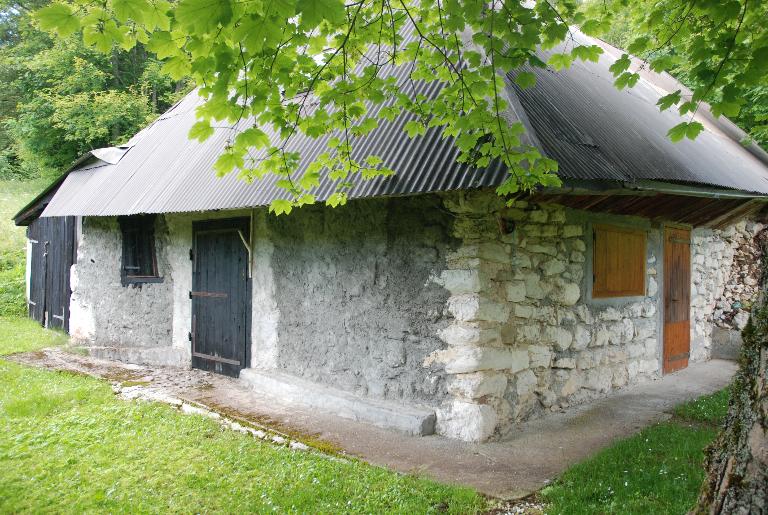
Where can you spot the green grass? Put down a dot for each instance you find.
(710, 409)
(67, 444)
(13, 196)
(23, 334)
(659, 470)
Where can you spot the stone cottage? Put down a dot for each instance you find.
(428, 303)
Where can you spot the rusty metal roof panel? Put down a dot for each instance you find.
(576, 116)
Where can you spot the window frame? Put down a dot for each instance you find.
(144, 226)
(641, 290)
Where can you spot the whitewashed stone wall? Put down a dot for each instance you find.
(526, 337)
(711, 258)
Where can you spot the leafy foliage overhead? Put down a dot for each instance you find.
(60, 98)
(315, 67)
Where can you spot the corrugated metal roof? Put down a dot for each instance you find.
(576, 116)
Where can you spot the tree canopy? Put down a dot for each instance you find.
(315, 67)
(61, 98)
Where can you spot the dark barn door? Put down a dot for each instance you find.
(677, 298)
(52, 255)
(220, 296)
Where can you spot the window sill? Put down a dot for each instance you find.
(135, 280)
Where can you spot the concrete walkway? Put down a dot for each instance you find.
(517, 466)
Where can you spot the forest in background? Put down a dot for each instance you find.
(60, 99)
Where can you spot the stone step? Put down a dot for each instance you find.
(408, 419)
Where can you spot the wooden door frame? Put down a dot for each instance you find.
(662, 269)
(220, 225)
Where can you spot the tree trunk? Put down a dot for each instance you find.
(737, 461)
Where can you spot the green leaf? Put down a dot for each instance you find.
(201, 131)
(315, 11)
(202, 16)
(252, 137)
(177, 67)
(560, 61)
(227, 162)
(414, 128)
(163, 45)
(281, 206)
(587, 53)
(337, 199)
(682, 130)
(58, 18)
(525, 79)
(620, 65)
(130, 9)
(627, 79)
(668, 101)
(373, 160)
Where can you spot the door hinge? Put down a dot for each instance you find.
(189, 336)
(190, 294)
(191, 255)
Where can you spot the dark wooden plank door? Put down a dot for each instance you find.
(677, 298)
(52, 255)
(220, 296)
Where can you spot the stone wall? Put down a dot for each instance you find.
(742, 285)
(133, 323)
(356, 307)
(526, 336)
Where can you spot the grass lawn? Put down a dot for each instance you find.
(67, 444)
(13, 196)
(659, 470)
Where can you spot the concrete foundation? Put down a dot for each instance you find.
(407, 419)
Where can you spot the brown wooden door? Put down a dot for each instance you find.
(677, 298)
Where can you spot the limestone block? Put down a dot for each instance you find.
(565, 363)
(577, 257)
(515, 291)
(633, 369)
(528, 334)
(521, 260)
(581, 337)
(516, 214)
(634, 310)
(653, 287)
(539, 216)
(620, 377)
(589, 359)
(542, 248)
(469, 334)
(598, 379)
(584, 314)
(649, 309)
(570, 231)
(477, 384)
(460, 281)
(525, 383)
(545, 314)
(565, 293)
(649, 366)
(601, 337)
(557, 216)
(558, 336)
(461, 360)
(571, 385)
(645, 328)
(610, 314)
(522, 311)
(635, 350)
(549, 231)
(534, 289)
(471, 307)
(497, 252)
(627, 330)
(553, 267)
(539, 356)
(616, 355)
(651, 347)
(467, 421)
(579, 246)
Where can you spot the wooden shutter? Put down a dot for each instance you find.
(618, 266)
